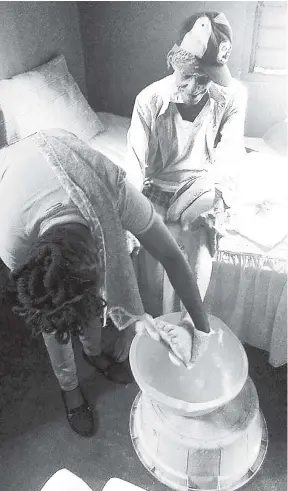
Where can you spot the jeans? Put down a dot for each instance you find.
(116, 343)
(62, 355)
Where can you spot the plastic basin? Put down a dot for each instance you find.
(216, 378)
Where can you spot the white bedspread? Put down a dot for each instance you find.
(260, 200)
(112, 143)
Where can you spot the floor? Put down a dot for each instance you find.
(35, 439)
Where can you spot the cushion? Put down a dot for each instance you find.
(45, 97)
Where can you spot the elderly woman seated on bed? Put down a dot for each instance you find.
(176, 124)
(64, 209)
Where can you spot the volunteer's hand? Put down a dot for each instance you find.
(200, 340)
(147, 323)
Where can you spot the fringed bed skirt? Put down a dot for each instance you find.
(249, 293)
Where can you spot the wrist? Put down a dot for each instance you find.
(207, 328)
(204, 326)
(203, 334)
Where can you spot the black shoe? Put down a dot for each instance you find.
(80, 418)
(120, 373)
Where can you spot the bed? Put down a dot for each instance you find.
(248, 288)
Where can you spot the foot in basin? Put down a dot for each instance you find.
(185, 343)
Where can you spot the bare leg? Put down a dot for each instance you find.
(203, 269)
(196, 247)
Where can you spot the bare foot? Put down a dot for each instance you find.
(187, 345)
(178, 338)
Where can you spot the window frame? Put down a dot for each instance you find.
(253, 14)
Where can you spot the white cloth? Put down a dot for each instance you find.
(64, 480)
(115, 484)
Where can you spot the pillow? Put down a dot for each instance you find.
(44, 98)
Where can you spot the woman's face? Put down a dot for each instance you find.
(192, 83)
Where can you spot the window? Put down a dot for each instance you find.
(269, 46)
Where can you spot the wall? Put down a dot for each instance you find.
(125, 46)
(267, 103)
(31, 33)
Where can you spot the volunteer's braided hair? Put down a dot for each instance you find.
(57, 289)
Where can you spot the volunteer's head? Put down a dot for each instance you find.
(201, 55)
(58, 288)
